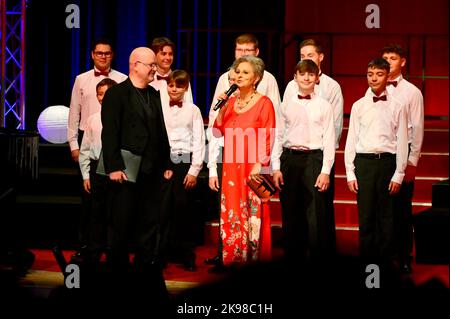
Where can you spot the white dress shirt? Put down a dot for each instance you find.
(268, 87)
(161, 86)
(84, 103)
(379, 127)
(91, 145)
(411, 95)
(329, 90)
(306, 124)
(186, 133)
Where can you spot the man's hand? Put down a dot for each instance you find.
(118, 176)
(322, 182)
(410, 174)
(87, 185)
(75, 155)
(353, 186)
(278, 179)
(214, 183)
(168, 174)
(394, 188)
(189, 181)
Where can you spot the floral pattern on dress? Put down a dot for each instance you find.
(241, 224)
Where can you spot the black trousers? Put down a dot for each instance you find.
(99, 217)
(135, 212)
(308, 225)
(178, 220)
(378, 239)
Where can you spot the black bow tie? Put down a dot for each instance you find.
(394, 83)
(98, 73)
(177, 103)
(306, 97)
(160, 77)
(379, 98)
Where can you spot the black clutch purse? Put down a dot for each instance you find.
(264, 189)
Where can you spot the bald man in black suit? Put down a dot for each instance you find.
(132, 120)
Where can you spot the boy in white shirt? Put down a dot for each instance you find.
(376, 153)
(164, 49)
(93, 183)
(185, 129)
(302, 159)
(399, 87)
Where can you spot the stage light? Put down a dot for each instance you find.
(52, 124)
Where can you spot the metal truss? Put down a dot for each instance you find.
(12, 84)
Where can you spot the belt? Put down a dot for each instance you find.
(375, 155)
(181, 157)
(179, 154)
(301, 151)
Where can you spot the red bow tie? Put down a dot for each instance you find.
(177, 103)
(98, 73)
(159, 77)
(379, 98)
(306, 97)
(394, 83)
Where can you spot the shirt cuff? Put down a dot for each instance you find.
(351, 176)
(398, 177)
(326, 170)
(276, 164)
(85, 175)
(413, 160)
(194, 170)
(74, 145)
(213, 172)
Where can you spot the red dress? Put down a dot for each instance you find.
(244, 221)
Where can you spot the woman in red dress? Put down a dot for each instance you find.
(247, 123)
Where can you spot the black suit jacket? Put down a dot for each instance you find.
(129, 124)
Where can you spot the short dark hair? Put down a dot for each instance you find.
(307, 66)
(312, 42)
(105, 82)
(394, 48)
(180, 77)
(379, 63)
(101, 41)
(247, 38)
(158, 44)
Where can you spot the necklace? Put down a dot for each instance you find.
(242, 105)
(146, 103)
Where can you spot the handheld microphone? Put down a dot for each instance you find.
(230, 91)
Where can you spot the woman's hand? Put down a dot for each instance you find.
(254, 173)
(222, 97)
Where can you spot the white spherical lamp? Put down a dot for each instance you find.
(52, 124)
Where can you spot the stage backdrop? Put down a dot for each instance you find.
(204, 32)
(353, 32)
